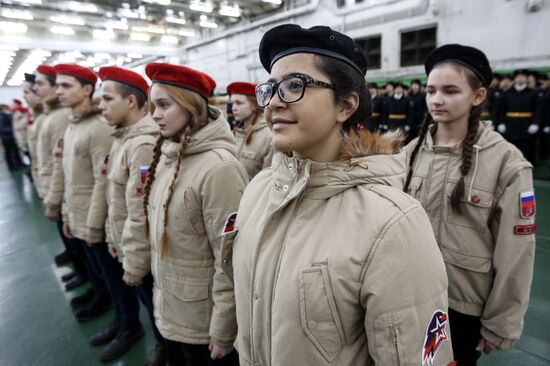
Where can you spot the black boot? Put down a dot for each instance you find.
(106, 335)
(77, 281)
(83, 300)
(69, 276)
(98, 306)
(157, 357)
(123, 341)
(63, 258)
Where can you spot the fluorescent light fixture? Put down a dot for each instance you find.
(102, 56)
(205, 23)
(202, 6)
(5, 47)
(230, 11)
(63, 19)
(169, 39)
(59, 29)
(73, 54)
(39, 52)
(135, 55)
(186, 33)
(158, 2)
(13, 27)
(116, 25)
(175, 20)
(82, 7)
(15, 82)
(127, 59)
(149, 29)
(129, 13)
(142, 37)
(17, 14)
(276, 2)
(102, 34)
(5, 53)
(28, 2)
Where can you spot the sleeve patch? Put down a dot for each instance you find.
(58, 151)
(435, 337)
(527, 205)
(143, 174)
(525, 229)
(229, 226)
(104, 165)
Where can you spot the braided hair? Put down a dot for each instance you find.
(200, 113)
(467, 144)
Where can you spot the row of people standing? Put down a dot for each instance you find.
(321, 259)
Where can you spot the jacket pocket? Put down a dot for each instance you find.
(476, 208)
(319, 315)
(187, 304)
(415, 188)
(248, 154)
(465, 261)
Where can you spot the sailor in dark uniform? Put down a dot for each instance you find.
(375, 120)
(418, 99)
(398, 111)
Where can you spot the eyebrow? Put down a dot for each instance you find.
(444, 86)
(289, 75)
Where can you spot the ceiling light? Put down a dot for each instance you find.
(205, 23)
(129, 13)
(102, 56)
(202, 6)
(17, 14)
(186, 33)
(57, 29)
(39, 52)
(6, 53)
(28, 2)
(116, 25)
(13, 27)
(142, 37)
(230, 11)
(127, 59)
(82, 7)
(102, 34)
(276, 2)
(175, 20)
(6, 47)
(15, 82)
(67, 20)
(149, 29)
(158, 2)
(135, 55)
(169, 39)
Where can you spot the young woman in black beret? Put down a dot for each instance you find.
(324, 267)
(478, 192)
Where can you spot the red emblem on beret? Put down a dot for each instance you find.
(77, 71)
(124, 76)
(181, 76)
(46, 70)
(239, 87)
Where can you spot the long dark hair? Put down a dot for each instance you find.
(467, 144)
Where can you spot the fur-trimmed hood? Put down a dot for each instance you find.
(51, 104)
(365, 158)
(92, 111)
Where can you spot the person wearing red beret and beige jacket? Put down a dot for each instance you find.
(333, 263)
(251, 131)
(193, 191)
(477, 189)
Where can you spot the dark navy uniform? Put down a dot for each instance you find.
(375, 120)
(519, 110)
(491, 106)
(398, 114)
(418, 108)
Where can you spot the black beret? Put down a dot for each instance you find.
(373, 86)
(470, 57)
(288, 39)
(521, 72)
(390, 83)
(30, 78)
(416, 81)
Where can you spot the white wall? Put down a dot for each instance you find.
(8, 93)
(505, 30)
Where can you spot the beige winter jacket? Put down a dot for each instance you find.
(193, 298)
(334, 264)
(258, 153)
(86, 143)
(53, 128)
(129, 160)
(20, 127)
(32, 136)
(489, 249)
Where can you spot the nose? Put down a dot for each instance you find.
(435, 99)
(276, 102)
(156, 115)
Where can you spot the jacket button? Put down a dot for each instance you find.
(227, 261)
(285, 188)
(312, 324)
(256, 296)
(290, 166)
(475, 199)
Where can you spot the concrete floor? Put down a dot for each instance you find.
(37, 326)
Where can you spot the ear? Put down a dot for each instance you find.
(346, 107)
(132, 101)
(89, 89)
(479, 96)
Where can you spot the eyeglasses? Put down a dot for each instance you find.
(290, 89)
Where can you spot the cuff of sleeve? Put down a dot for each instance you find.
(503, 343)
(53, 207)
(134, 271)
(223, 335)
(96, 233)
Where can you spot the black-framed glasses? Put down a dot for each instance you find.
(290, 89)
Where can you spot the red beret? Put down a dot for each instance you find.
(124, 76)
(17, 101)
(239, 87)
(181, 76)
(46, 70)
(77, 71)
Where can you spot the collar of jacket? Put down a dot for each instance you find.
(145, 126)
(365, 158)
(215, 135)
(51, 104)
(92, 111)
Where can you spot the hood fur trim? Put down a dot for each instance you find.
(358, 144)
(52, 103)
(92, 110)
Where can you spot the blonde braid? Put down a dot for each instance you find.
(150, 178)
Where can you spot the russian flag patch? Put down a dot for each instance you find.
(527, 206)
(143, 173)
